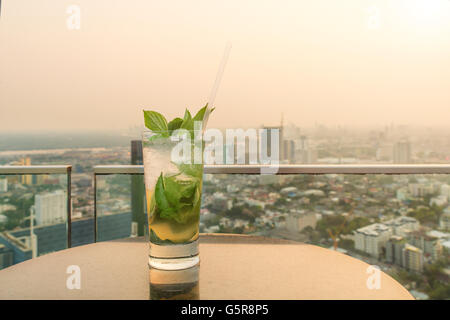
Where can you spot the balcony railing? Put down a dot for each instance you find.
(102, 170)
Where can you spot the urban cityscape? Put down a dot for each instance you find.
(400, 223)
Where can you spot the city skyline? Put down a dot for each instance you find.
(318, 61)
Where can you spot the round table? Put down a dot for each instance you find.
(231, 267)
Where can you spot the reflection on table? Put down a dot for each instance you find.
(174, 284)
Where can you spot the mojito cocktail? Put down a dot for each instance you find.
(173, 183)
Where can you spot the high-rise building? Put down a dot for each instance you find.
(289, 151)
(51, 207)
(137, 190)
(372, 238)
(26, 178)
(402, 225)
(304, 153)
(394, 250)
(412, 258)
(3, 185)
(430, 245)
(402, 152)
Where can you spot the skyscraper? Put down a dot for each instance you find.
(402, 152)
(51, 207)
(26, 178)
(304, 153)
(289, 151)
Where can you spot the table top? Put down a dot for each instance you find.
(231, 267)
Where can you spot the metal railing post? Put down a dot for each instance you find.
(69, 206)
(95, 207)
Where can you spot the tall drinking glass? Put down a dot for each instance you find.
(173, 182)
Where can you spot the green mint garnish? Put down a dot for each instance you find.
(174, 124)
(155, 121)
(176, 197)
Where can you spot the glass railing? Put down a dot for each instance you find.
(119, 202)
(35, 212)
(393, 216)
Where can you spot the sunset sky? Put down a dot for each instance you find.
(344, 62)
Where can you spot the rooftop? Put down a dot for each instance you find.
(373, 230)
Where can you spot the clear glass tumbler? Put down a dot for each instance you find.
(173, 183)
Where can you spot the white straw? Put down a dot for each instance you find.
(215, 88)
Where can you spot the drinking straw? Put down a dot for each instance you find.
(216, 85)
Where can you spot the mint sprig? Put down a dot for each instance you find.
(156, 122)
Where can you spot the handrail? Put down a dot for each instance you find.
(57, 169)
(296, 169)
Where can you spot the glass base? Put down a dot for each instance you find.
(175, 284)
(173, 257)
(173, 263)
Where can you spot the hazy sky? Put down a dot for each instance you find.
(327, 61)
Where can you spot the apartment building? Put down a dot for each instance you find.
(372, 239)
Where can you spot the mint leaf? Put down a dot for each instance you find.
(200, 114)
(156, 122)
(177, 197)
(187, 115)
(166, 210)
(188, 122)
(179, 190)
(174, 124)
(172, 191)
